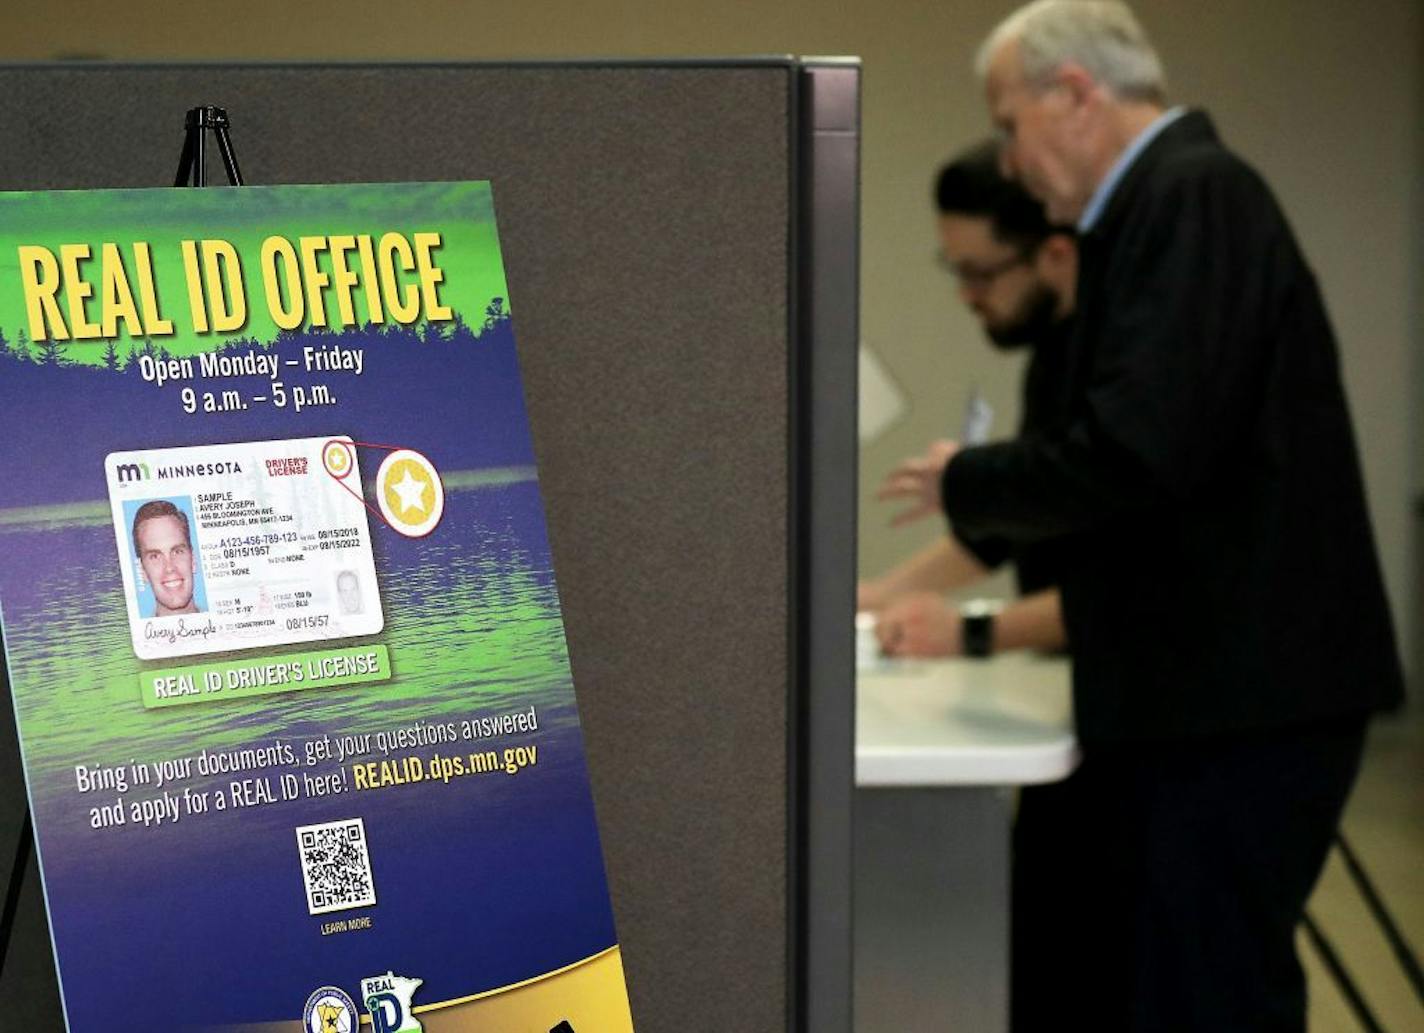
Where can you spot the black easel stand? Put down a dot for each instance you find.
(193, 164)
(192, 171)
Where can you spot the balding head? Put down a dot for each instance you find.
(1101, 37)
(1069, 83)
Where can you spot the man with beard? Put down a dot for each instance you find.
(1016, 272)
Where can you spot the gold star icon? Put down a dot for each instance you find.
(337, 458)
(410, 494)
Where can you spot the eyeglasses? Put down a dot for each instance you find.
(975, 277)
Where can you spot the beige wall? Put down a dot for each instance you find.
(1324, 98)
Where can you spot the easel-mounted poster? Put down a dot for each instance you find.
(282, 627)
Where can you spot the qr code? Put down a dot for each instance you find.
(336, 866)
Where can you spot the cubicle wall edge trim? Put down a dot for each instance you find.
(824, 255)
(796, 791)
(104, 64)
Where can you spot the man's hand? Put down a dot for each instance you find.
(917, 479)
(920, 624)
(870, 596)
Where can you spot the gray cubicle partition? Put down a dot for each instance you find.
(681, 246)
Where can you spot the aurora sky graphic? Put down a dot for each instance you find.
(213, 827)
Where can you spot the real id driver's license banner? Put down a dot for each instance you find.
(280, 620)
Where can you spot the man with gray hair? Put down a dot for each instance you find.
(1223, 600)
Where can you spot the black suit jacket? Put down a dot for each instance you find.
(1043, 412)
(1219, 571)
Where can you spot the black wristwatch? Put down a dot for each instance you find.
(977, 627)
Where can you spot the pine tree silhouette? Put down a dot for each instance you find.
(50, 354)
(495, 313)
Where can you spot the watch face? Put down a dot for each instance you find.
(978, 634)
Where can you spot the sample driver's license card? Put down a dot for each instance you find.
(258, 543)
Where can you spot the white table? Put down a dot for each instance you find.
(939, 747)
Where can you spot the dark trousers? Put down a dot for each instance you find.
(1158, 889)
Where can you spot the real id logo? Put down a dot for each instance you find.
(388, 1000)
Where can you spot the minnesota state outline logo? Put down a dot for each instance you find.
(330, 1010)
